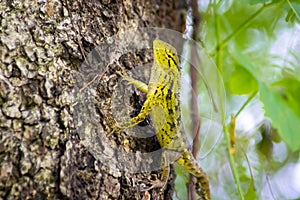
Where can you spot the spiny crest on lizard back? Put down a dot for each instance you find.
(166, 55)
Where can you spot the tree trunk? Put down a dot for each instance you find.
(42, 46)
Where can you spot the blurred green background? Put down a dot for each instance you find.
(255, 45)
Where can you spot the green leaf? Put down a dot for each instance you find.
(251, 194)
(180, 182)
(290, 16)
(290, 89)
(252, 2)
(245, 62)
(293, 11)
(283, 117)
(242, 82)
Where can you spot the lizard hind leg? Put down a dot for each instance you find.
(164, 176)
(162, 182)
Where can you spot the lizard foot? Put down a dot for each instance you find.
(159, 183)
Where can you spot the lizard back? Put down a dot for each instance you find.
(164, 85)
(164, 88)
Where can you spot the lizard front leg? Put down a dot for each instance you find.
(146, 106)
(143, 87)
(139, 118)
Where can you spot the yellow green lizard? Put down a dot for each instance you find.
(162, 101)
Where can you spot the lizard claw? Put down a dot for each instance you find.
(159, 183)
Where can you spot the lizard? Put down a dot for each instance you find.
(162, 102)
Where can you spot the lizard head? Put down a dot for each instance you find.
(165, 55)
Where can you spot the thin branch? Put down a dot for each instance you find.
(246, 103)
(196, 123)
(232, 162)
(222, 44)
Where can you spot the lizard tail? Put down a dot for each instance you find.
(188, 162)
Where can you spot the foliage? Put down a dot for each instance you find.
(254, 46)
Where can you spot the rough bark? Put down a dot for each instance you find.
(42, 45)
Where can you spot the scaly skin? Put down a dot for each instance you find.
(162, 103)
